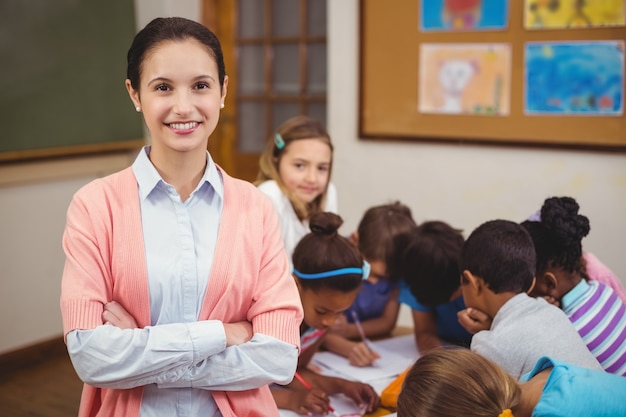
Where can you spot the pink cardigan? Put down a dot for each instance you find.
(249, 279)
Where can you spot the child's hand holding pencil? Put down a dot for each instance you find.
(362, 354)
(313, 400)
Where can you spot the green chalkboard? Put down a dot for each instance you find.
(62, 72)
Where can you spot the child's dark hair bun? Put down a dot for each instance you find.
(325, 224)
(560, 216)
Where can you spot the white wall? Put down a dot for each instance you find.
(464, 185)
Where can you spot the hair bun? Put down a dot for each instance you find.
(560, 216)
(325, 223)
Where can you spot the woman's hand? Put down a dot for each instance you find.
(238, 333)
(474, 320)
(116, 315)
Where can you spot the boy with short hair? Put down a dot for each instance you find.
(498, 269)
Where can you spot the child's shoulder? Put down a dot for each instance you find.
(527, 308)
(269, 187)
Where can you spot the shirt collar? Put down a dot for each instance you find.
(148, 177)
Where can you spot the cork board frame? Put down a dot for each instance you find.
(388, 85)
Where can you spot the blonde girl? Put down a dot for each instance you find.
(294, 172)
(458, 382)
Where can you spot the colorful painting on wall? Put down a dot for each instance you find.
(463, 15)
(562, 14)
(472, 78)
(574, 78)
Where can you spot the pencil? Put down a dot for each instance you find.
(355, 317)
(308, 386)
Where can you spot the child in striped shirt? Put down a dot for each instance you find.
(597, 312)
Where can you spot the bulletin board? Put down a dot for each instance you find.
(390, 41)
(62, 78)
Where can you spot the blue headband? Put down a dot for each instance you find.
(364, 272)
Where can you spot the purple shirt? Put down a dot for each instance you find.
(599, 316)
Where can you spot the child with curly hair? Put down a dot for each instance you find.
(593, 307)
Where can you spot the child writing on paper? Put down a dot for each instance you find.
(328, 270)
(428, 262)
(498, 268)
(376, 307)
(294, 172)
(458, 382)
(176, 294)
(596, 311)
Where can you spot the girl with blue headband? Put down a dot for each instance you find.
(328, 270)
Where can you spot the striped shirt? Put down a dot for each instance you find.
(309, 337)
(599, 316)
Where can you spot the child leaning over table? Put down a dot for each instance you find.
(328, 270)
(377, 305)
(498, 268)
(595, 310)
(458, 382)
(428, 261)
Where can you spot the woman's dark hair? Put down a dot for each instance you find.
(501, 252)
(558, 235)
(164, 29)
(323, 250)
(429, 258)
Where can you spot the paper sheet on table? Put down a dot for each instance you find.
(396, 354)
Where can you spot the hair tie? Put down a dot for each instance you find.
(364, 272)
(535, 217)
(279, 141)
(506, 413)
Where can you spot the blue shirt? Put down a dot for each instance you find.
(371, 301)
(448, 326)
(574, 391)
(174, 232)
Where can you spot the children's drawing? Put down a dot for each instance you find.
(464, 79)
(463, 15)
(559, 14)
(574, 78)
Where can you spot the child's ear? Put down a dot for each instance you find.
(532, 286)
(354, 238)
(551, 281)
(475, 283)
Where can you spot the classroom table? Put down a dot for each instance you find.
(396, 360)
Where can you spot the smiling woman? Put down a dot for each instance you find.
(151, 251)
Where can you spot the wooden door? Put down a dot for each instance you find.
(275, 57)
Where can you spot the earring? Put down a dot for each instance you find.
(137, 109)
(221, 105)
